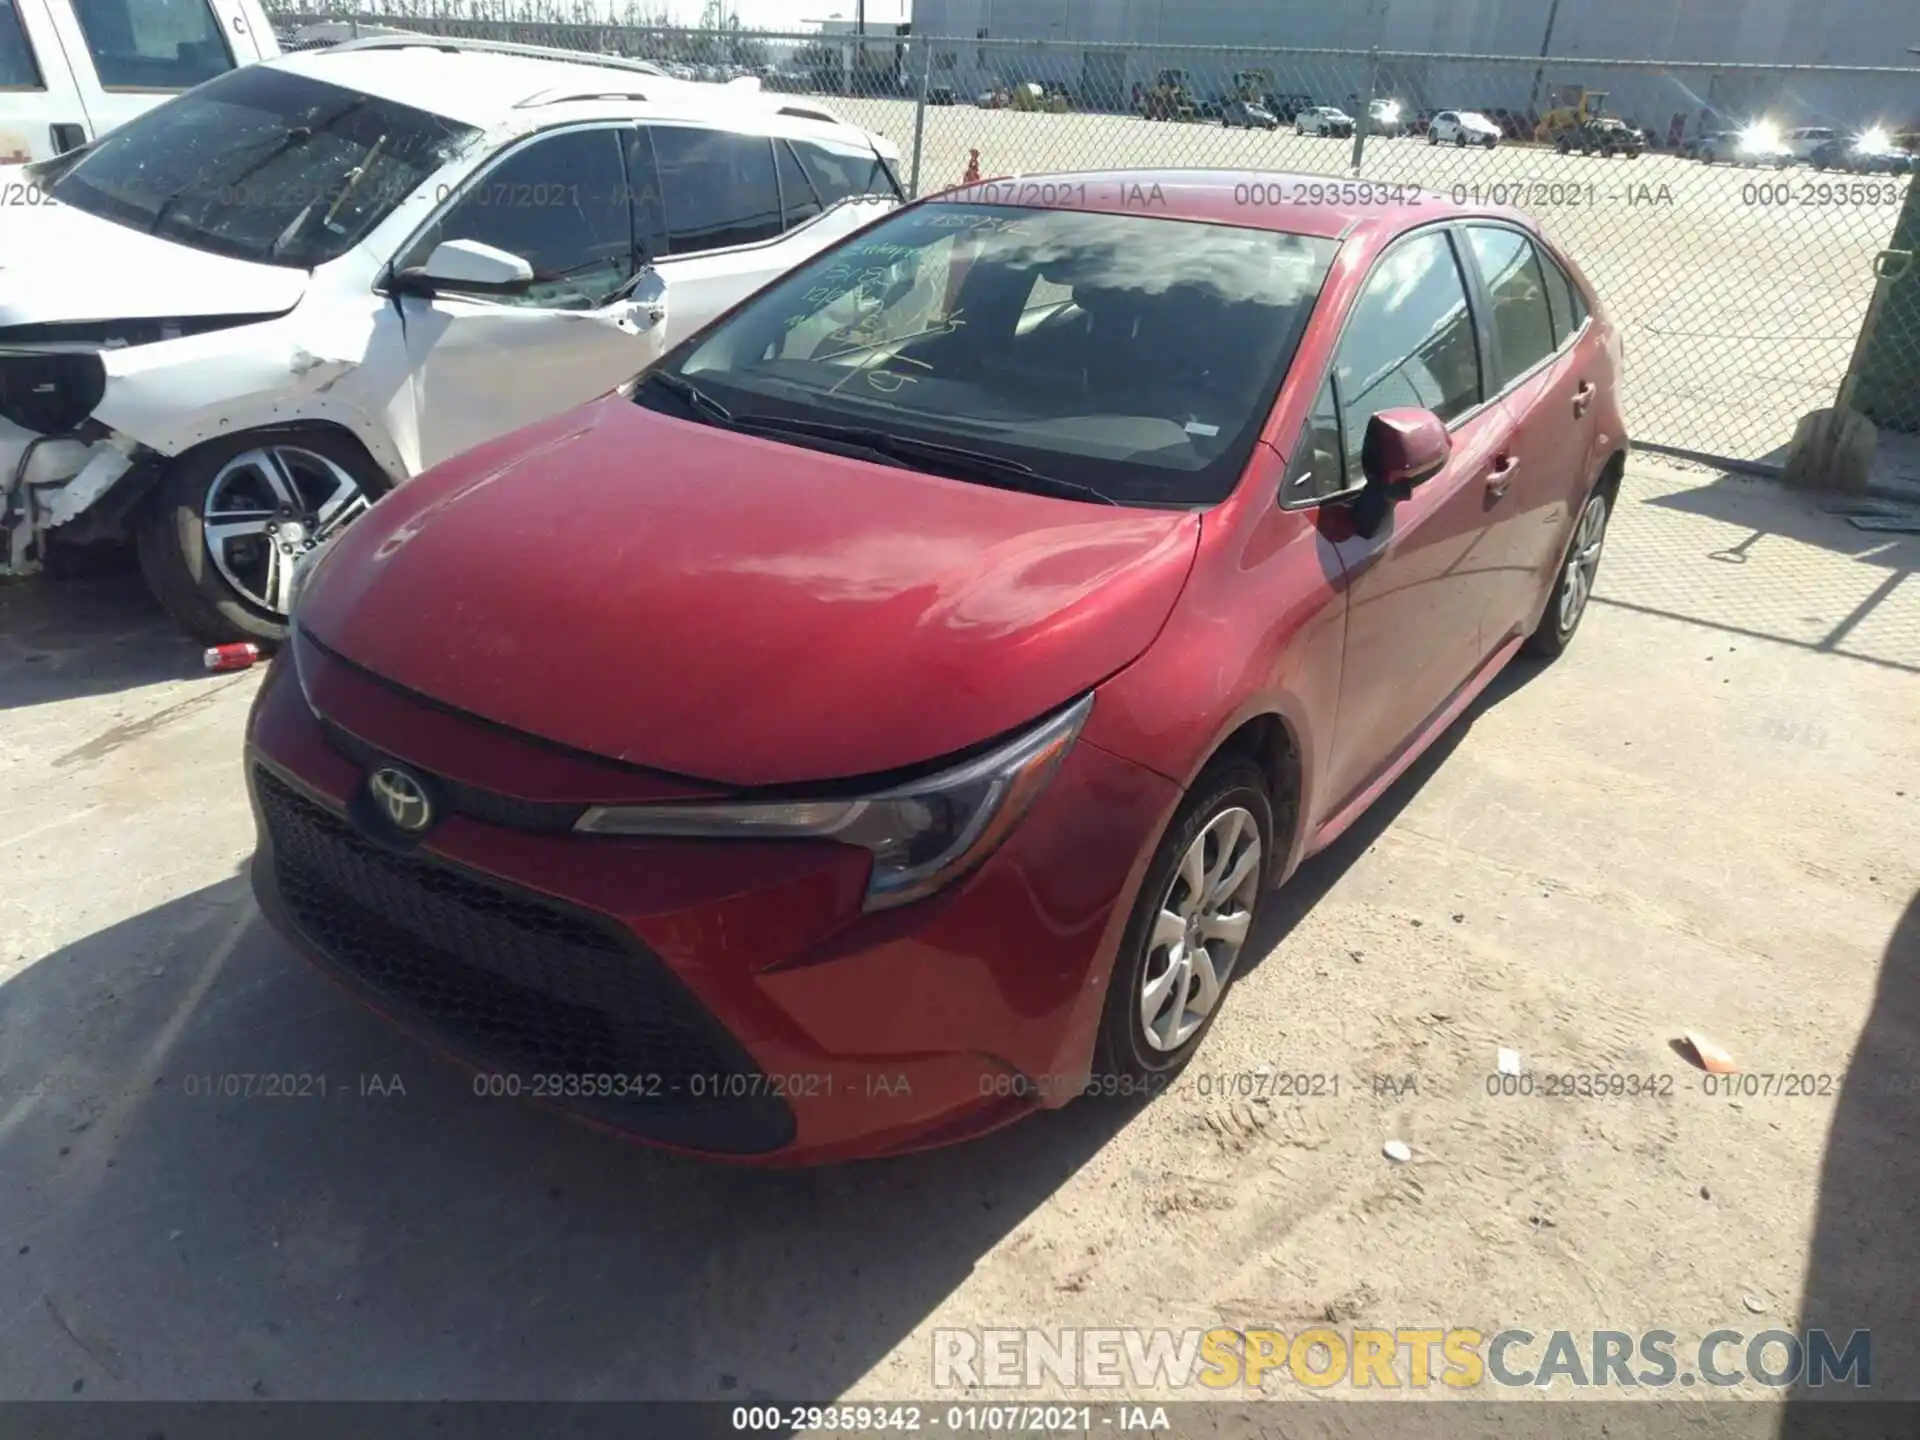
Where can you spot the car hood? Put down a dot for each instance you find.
(736, 610)
(59, 264)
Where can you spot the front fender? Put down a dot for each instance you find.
(335, 364)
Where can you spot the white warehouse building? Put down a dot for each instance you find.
(1101, 48)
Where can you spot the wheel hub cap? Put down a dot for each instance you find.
(266, 507)
(1202, 922)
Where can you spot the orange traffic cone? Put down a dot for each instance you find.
(972, 177)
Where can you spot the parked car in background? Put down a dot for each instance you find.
(1694, 147)
(72, 71)
(1172, 527)
(1248, 115)
(1286, 106)
(1511, 123)
(1323, 120)
(1872, 152)
(313, 277)
(1602, 135)
(1756, 145)
(1804, 140)
(1386, 118)
(1463, 127)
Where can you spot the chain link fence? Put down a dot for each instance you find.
(1723, 212)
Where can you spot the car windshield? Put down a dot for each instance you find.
(1125, 353)
(264, 165)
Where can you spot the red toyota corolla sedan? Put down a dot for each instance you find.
(885, 715)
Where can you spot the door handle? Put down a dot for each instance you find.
(1582, 398)
(67, 137)
(1501, 476)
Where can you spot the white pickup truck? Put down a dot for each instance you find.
(71, 70)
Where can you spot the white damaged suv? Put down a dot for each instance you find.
(231, 323)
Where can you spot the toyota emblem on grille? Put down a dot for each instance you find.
(402, 798)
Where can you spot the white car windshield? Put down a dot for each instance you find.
(1134, 355)
(1474, 117)
(262, 164)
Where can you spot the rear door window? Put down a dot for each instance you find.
(1522, 320)
(843, 175)
(798, 197)
(18, 69)
(1563, 298)
(153, 44)
(720, 188)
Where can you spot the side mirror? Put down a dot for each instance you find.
(468, 265)
(1403, 448)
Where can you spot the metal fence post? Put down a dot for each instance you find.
(925, 45)
(1364, 119)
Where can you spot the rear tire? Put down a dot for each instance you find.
(1574, 580)
(307, 484)
(1197, 905)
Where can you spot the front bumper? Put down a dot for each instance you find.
(50, 480)
(726, 999)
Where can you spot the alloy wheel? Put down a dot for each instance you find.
(1583, 561)
(265, 508)
(1201, 925)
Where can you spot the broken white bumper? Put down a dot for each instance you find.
(47, 481)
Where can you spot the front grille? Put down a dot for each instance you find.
(489, 807)
(521, 987)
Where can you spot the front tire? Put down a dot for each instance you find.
(1197, 905)
(218, 537)
(1573, 583)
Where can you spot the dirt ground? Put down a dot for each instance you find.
(1705, 816)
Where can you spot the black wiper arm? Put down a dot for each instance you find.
(955, 459)
(690, 394)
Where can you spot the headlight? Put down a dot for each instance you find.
(922, 836)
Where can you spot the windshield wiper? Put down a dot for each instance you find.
(953, 460)
(690, 394)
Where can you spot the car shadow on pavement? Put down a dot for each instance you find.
(97, 635)
(226, 1180)
(1767, 507)
(1318, 874)
(1863, 1266)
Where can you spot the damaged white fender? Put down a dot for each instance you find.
(336, 365)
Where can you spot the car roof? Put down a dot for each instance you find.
(1329, 207)
(485, 88)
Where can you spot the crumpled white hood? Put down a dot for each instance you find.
(61, 264)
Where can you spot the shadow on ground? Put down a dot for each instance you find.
(1287, 907)
(1863, 1267)
(94, 635)
(1767, 508)
(164, 1237)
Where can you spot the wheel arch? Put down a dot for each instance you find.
(1267, 738)
(1612, 472)
(374, 444)
(243, 437)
